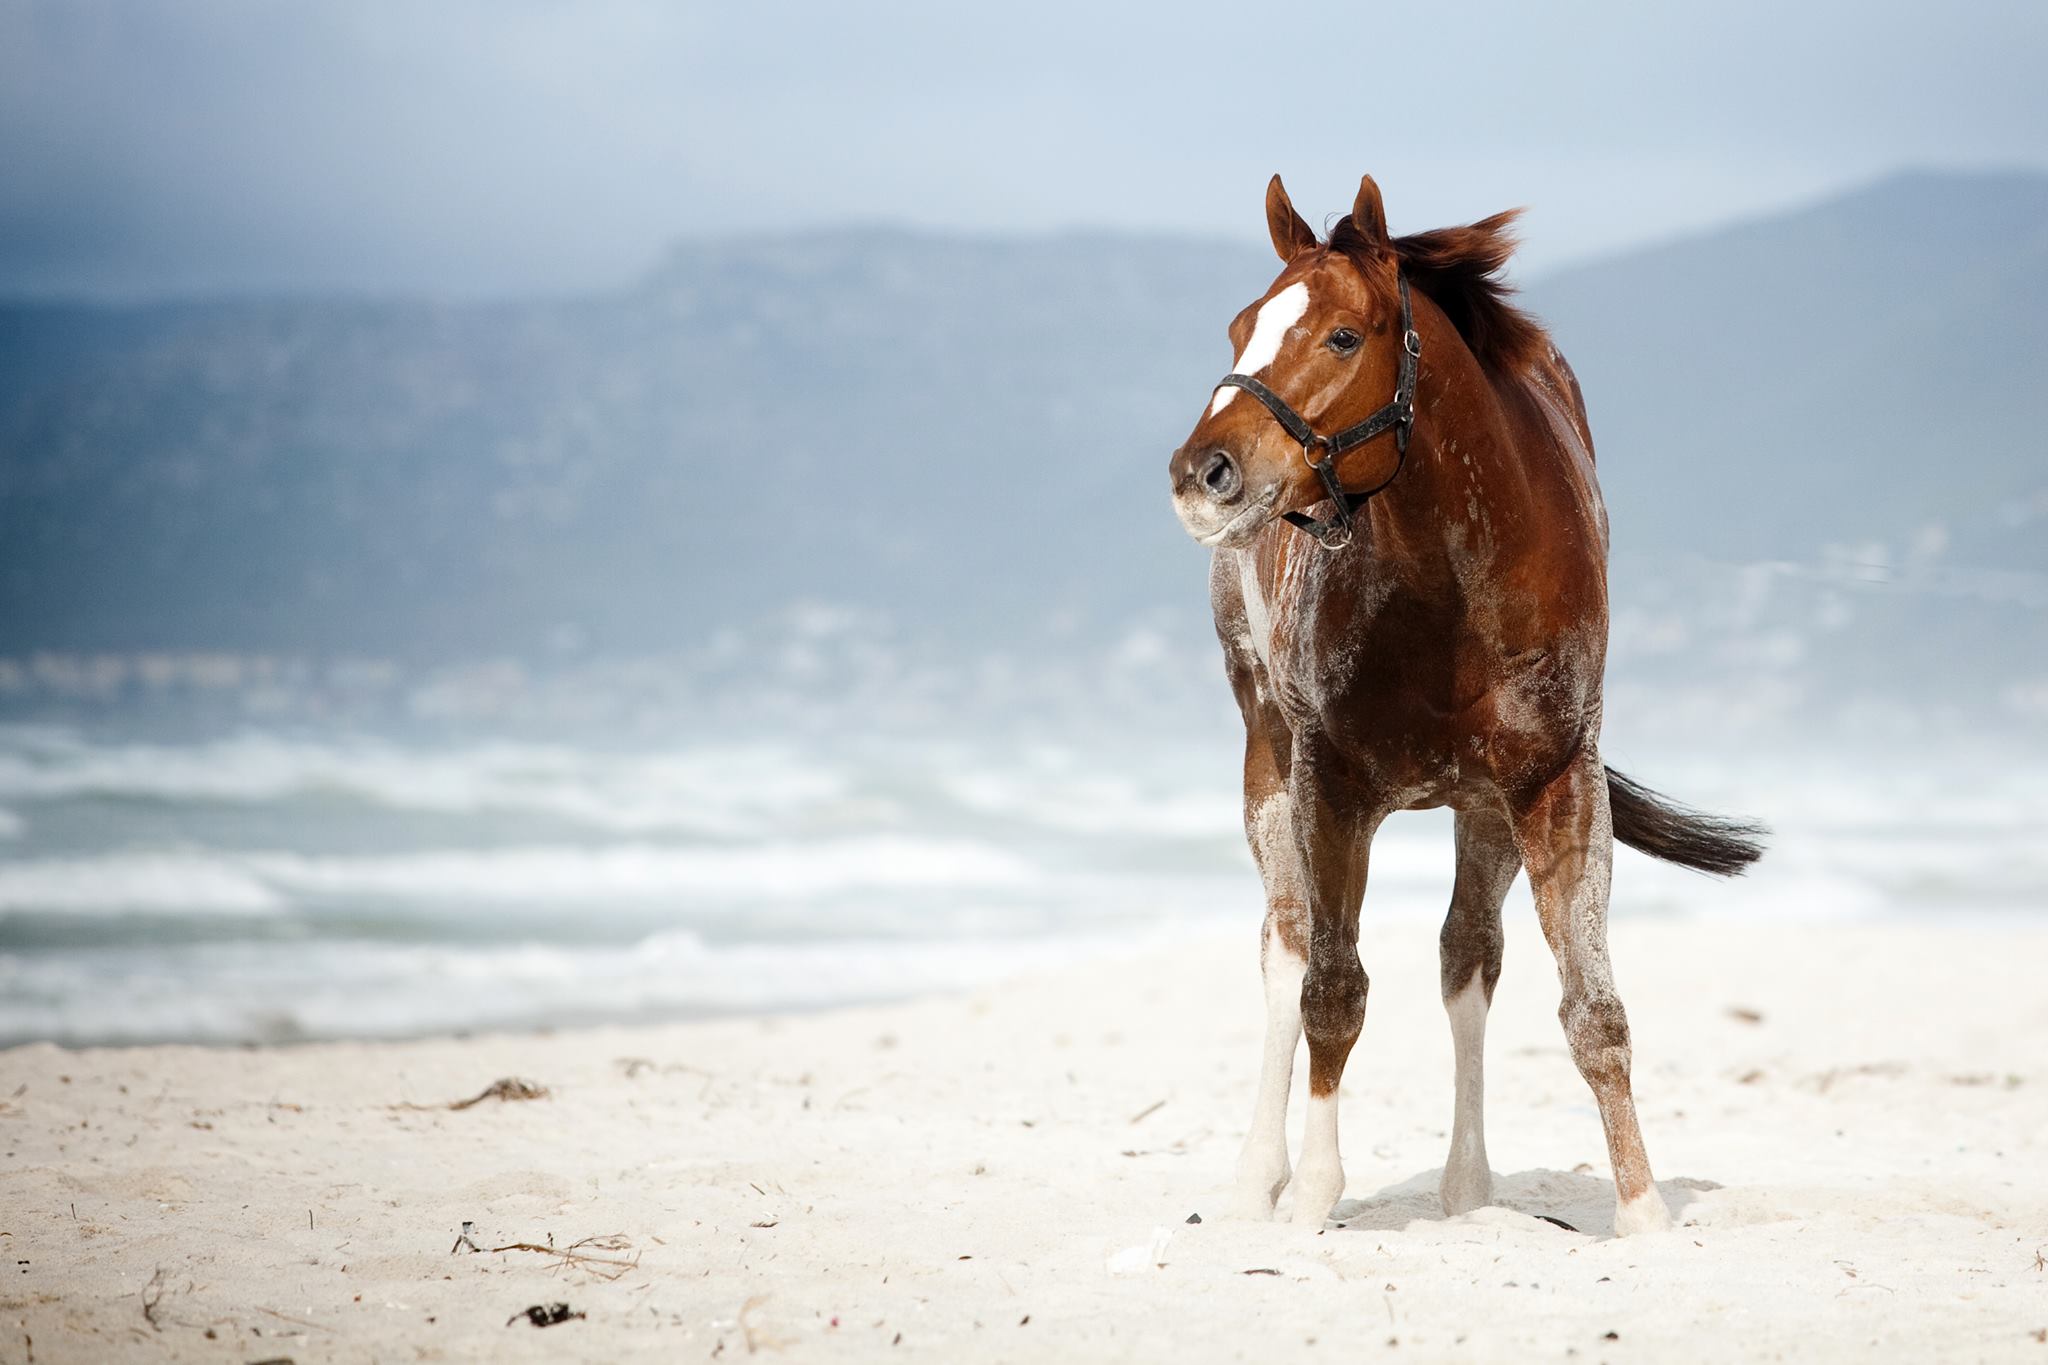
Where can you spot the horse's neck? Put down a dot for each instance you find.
(1431, 543)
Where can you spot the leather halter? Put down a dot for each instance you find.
(1398, 415)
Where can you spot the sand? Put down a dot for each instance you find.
(1849, 1121)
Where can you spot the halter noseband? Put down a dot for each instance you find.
(1399, 414)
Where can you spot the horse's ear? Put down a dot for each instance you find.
(1369, 215)
(1291, 236)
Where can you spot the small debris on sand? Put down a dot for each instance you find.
(545, 1314)
(1137, 1259)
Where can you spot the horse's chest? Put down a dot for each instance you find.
(1258, 614)
(1302, 672)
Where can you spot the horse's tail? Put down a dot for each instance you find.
(1662, 828)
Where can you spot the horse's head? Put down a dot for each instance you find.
(1326, 339)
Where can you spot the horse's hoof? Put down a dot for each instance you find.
(1253, 1196)
(1465, 1191)
(1316, 1192)
(1254, 1203)
(1647, 1212)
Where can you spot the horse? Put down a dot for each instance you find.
(1409, 583)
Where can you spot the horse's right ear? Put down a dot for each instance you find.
(1291, 236)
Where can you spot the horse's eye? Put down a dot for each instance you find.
(1344, 341)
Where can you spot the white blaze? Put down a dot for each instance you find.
(1269, 329)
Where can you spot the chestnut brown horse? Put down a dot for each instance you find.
(1410, 586)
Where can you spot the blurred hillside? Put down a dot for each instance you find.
(1821, 434)
(961, 431)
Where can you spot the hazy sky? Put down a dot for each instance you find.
(167, 146)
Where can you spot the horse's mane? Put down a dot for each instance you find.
(1459, 269)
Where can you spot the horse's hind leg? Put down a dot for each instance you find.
(1567, 840)
(1470, 950)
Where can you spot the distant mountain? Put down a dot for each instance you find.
(962, 431)
(973, 434)
(1823, 438)
(1859, 370)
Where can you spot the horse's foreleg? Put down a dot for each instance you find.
(1567, 840)
(1262, 1168)
(1470, 952)
(1333, 837)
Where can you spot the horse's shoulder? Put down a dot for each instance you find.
(1550, 380)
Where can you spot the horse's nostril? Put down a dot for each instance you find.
(1220, 477)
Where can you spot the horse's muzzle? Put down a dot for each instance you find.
(1220, 478)
(1211, 474)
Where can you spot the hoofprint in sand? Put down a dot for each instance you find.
(1850, 1121)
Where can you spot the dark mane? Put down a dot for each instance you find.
(1459, 269)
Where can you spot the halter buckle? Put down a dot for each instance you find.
(1411, 342)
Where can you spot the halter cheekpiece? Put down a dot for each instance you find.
(1398, 415)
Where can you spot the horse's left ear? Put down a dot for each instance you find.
(1369, 215)
(1291, 236)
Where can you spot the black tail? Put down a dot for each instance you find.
(1662, 828)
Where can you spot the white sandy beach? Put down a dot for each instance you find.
(1848, 1120)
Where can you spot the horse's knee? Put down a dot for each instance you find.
(1596, 1029)
(1469, 947)
(1332, 1017)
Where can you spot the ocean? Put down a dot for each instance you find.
(271, 884)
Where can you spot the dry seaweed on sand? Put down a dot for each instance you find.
(583, 1254)
(505, 1088)
(152, 1295)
